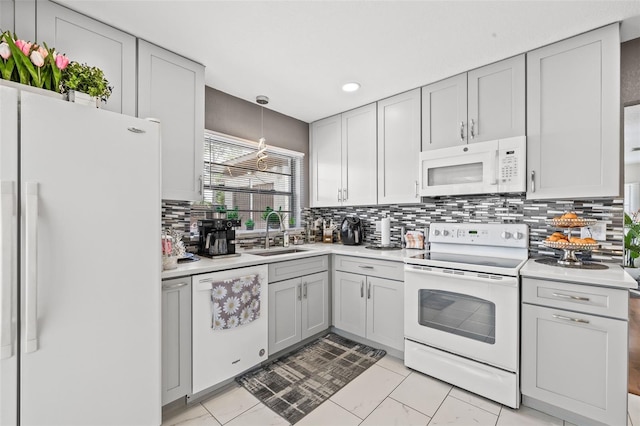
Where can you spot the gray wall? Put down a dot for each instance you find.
(236, 117)
(630, 72)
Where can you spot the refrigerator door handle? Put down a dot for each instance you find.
(7, 212)
(31, 261)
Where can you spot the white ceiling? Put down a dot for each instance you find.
(299, 53)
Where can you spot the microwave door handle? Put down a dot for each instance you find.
(496, 168)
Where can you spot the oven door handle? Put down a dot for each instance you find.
(461, 275)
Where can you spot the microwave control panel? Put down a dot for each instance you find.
(512, 164)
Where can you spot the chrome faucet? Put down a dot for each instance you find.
(266, 240)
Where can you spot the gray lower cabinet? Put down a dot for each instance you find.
(574, 351)
(299, 306)
(573, 117)
(366, 305)
(176, 339)
(171, 89)
(86, 40)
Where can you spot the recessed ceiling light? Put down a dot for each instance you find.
(351, 87)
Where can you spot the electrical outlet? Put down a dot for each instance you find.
(597, 232)
(378, 226)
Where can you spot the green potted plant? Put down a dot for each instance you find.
(85, 79)
(233, 214)
(274, 221)
(249, 224)
(631, 240)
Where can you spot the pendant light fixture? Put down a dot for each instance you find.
(261, 155)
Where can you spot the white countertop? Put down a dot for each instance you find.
(615, 276)
(205, 265)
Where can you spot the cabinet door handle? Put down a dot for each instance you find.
(339, 194)
(417, 195)
(365, 267)
(568, 296)
(299, 291)
(173, 286)
(344, 194)
(533, 181)
(368, 290)
(462, 131)
(7, 210)
(201, 184)
(471, 129)
(362, 289)
(31, 266)
(562, 317)
(304, 290)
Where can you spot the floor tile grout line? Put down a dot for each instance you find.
(235, 417)
(388, 395)
(210, 413)
(414, 409)
(474, 405)
(441, 402)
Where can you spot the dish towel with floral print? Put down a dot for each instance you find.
(235, 302)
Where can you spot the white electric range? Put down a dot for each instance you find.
(462, 307)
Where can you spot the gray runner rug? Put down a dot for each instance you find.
(294, 385)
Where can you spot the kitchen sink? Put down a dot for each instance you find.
(276, 251)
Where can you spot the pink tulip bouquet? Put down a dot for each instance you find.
(31, 64)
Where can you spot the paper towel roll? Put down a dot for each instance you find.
(385, 230)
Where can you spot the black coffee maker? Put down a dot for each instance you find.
(217, 237)
(351, 231)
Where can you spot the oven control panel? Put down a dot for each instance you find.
(487, 234)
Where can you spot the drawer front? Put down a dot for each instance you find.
(296, 268)
(603, 301)
(371, 267)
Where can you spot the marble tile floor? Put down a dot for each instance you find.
(387, 393)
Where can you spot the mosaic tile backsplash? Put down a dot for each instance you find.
(513, 208)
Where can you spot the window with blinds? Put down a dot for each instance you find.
(233, 179)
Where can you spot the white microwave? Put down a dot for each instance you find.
(491, 167)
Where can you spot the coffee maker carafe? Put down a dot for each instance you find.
(217, 237)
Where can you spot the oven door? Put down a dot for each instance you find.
(471, 314)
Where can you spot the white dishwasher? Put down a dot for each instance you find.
(230, 328)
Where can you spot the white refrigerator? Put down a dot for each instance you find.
(80, 264)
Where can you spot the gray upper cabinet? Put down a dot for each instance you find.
(398, 146)
(484, 104)
(496, 100)
(6, 15)
(573, 117)
(343, 158)
(444, 113)
(325, 161)
(171, 89)
(359, 139)
(86, 40)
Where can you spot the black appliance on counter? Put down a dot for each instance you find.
(351, 231)
(217, 237)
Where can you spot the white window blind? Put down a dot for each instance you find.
(232, 179)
